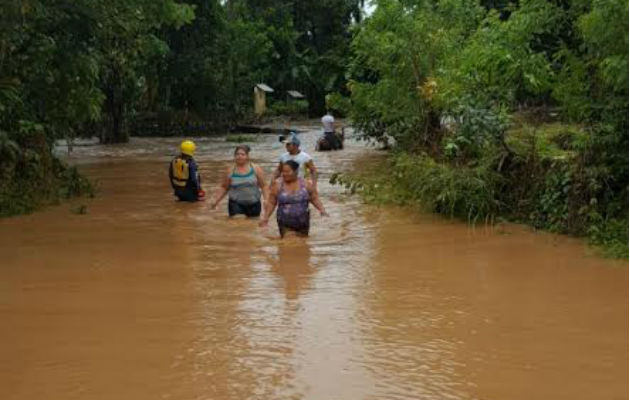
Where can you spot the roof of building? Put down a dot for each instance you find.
(295, 94)
(264, 87)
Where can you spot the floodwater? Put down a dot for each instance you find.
(147, 298)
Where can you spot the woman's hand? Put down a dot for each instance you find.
(213, 206)
(323, 213)
(263, 222)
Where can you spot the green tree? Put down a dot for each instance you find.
(310, 42)
(126, 38)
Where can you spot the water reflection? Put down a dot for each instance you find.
(294, 265)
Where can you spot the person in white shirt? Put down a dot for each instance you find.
(329, 123)
(331, 141)
(294, 153)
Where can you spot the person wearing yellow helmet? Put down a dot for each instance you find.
(184, 175)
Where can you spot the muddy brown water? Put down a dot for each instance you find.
(147, 298)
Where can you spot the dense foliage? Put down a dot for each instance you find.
(497, 109)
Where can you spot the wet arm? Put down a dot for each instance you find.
(271, 202)
(275, 175)
(313, 170)
(260, 176)
(314, 199)
(193, 173)
(222, 190)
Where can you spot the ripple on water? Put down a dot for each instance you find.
(375, 304)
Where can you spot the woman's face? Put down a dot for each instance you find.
(288, 174)
(241, 157)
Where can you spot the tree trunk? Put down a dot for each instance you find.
(316, 102)
(115, 130)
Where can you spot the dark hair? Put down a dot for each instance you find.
(243, 147)
(294, 166)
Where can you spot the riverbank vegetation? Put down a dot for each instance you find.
(497, 110)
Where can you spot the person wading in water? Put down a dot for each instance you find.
(302, 158)
(183, 174)
(292, 195)
(244, 183)
(330, 139)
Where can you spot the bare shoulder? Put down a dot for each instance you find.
(258, 169)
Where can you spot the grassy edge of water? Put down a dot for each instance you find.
(242, 138)
(477, 194)
(32, 185)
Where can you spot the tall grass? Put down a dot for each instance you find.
(548, 187)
